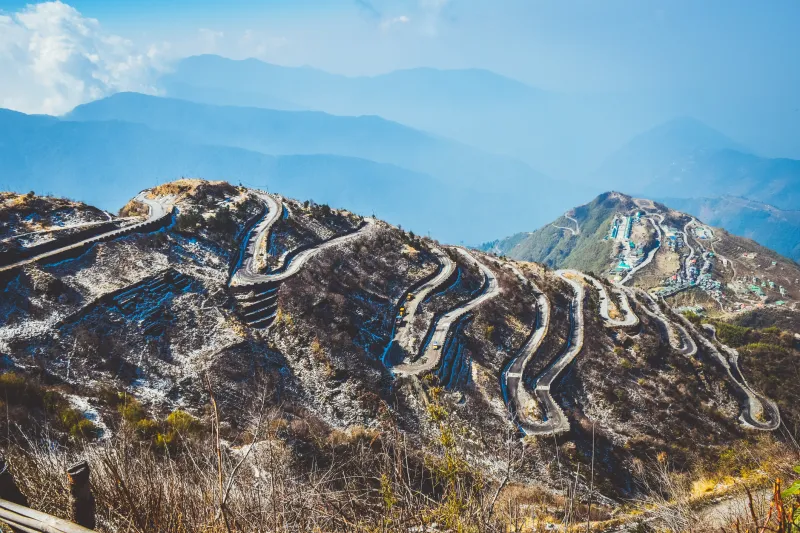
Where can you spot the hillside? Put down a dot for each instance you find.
(660, 249)
(575, 242)
(302, 336)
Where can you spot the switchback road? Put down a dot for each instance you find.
(403, 336)
(514, 392)
(433, 350)
(247, 270)
(757, 412)
(554, 420)
(630, 319)
(250, 279)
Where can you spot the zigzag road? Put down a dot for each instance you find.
(630, 319)
(514, 393)
(432, 355)
(678, 337)
(758, 412)
(403, 336)
(159, 208)
(247, 270)
(555, 421)
(258, 308)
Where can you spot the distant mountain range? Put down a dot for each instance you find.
(772, 227)
(308, 132)
(685, 158)
(106, 151)
(563, 135)
(395, 143)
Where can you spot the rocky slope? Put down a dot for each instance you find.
(162, 317)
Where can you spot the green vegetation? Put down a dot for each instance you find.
(27, 397)
(558, 248)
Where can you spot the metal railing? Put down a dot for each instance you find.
(20, 518)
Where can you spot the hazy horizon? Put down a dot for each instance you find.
(728, 64)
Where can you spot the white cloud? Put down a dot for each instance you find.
(387, 24)
(52, 58)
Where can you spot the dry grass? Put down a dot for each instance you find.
(290, 479)
(134, 209)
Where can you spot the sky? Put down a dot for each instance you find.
(737, 55)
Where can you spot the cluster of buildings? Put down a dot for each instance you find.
(757, 286)
(696, 273)
(630, 253)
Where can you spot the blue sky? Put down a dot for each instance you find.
(737, 55)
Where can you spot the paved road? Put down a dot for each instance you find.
(687, 261)
(430, 357)
(403, 336)
(54, 229)
(630, 317)
(514, 391)
(248, 278)
(678, 337)
(247, 270)
(756, 408)
(159, 208)
(555, 421)
(577, 226)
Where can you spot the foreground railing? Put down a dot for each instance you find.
(20, 518)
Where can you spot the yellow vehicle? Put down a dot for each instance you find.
(435, 346)
(410, 296)
(402, 310)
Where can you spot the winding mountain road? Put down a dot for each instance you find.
(247, 269)
(403, 335)
(554, 419)
(687, 261)
(757, 408)
(250, 279)
(630, 319)
(159, 208)
(514, 392)
(678, 337)
(757, 412)
(433, 350)
(80, 225)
